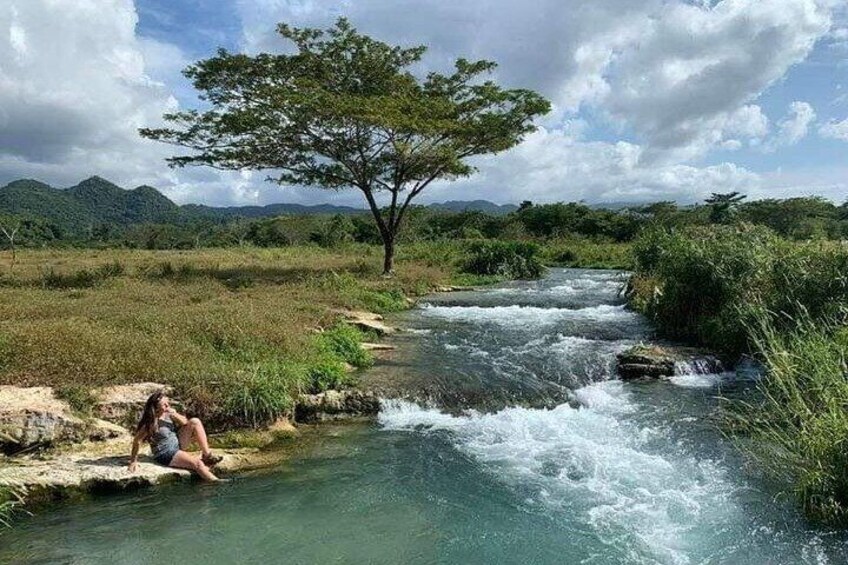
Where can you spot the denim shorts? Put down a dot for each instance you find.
(165, 457)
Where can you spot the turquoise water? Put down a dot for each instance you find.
(621, 473)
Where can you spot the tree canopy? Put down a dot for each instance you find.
(345, 110)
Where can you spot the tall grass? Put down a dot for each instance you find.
(797, 429)
(744, 289)
(508, 259)
(231, 330)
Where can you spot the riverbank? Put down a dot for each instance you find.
(745, 290)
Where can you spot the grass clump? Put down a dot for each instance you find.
(507, 259)
(588, 254)
(10, 499)
(261, 395)
(345, 342)
(709, 284)
(79, 397)
(83, 278)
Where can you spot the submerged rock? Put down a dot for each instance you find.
(33, 417)
(654, 362)
(336, 405)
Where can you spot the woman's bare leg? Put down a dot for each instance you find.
(183, 460)
(194, 431)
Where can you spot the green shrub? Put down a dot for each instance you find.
(708, 284)
(84, 278)
(509, 259)
(587, 254)
(79, 396)
(345, 342)
(350, 287)
(328, 373)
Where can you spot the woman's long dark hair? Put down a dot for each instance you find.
(148, 417)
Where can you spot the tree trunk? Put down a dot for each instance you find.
(389, 256)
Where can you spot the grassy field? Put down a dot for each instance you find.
(216, 324)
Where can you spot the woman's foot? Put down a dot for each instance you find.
(210, 459)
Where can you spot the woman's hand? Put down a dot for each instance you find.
(133, 466)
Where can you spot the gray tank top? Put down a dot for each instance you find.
(165, 439)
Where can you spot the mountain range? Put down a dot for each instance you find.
(96, 201)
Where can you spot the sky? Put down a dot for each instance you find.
(652, 99)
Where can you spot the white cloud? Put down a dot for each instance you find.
(76, 83)
(679, 78)
(835, 130)
(551, 166)
(675, 79)
(683, 84)
(794, 127)
(73, 90)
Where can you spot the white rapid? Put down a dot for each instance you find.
(637, 468)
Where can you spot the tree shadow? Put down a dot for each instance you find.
(235, 278)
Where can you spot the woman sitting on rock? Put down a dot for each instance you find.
(169, 435)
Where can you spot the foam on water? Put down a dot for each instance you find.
(640, 502)
(574, 287)
(709, 380)
(525, 315)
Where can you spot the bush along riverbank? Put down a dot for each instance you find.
(745, 290)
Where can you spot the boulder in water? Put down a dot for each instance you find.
(655, 362)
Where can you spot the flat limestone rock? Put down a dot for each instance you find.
(453, 288)
(102, 467)
(379, 328)
(377, 346)
(367, 321)
(360, 315)
(33, 417)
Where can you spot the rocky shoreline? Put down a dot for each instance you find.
(49, 453)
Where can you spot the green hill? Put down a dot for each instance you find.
(91, 203)
(34, 199)
(97, 202)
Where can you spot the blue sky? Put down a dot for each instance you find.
(655, 99)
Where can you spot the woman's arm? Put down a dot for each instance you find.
(177, 417)
(137, 439)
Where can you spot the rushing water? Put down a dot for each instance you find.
(557, 464)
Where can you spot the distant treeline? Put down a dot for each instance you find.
(795, 218)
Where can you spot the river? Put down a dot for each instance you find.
(557, 462)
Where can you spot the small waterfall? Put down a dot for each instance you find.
(707, 365)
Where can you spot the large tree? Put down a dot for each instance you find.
(344, 110)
